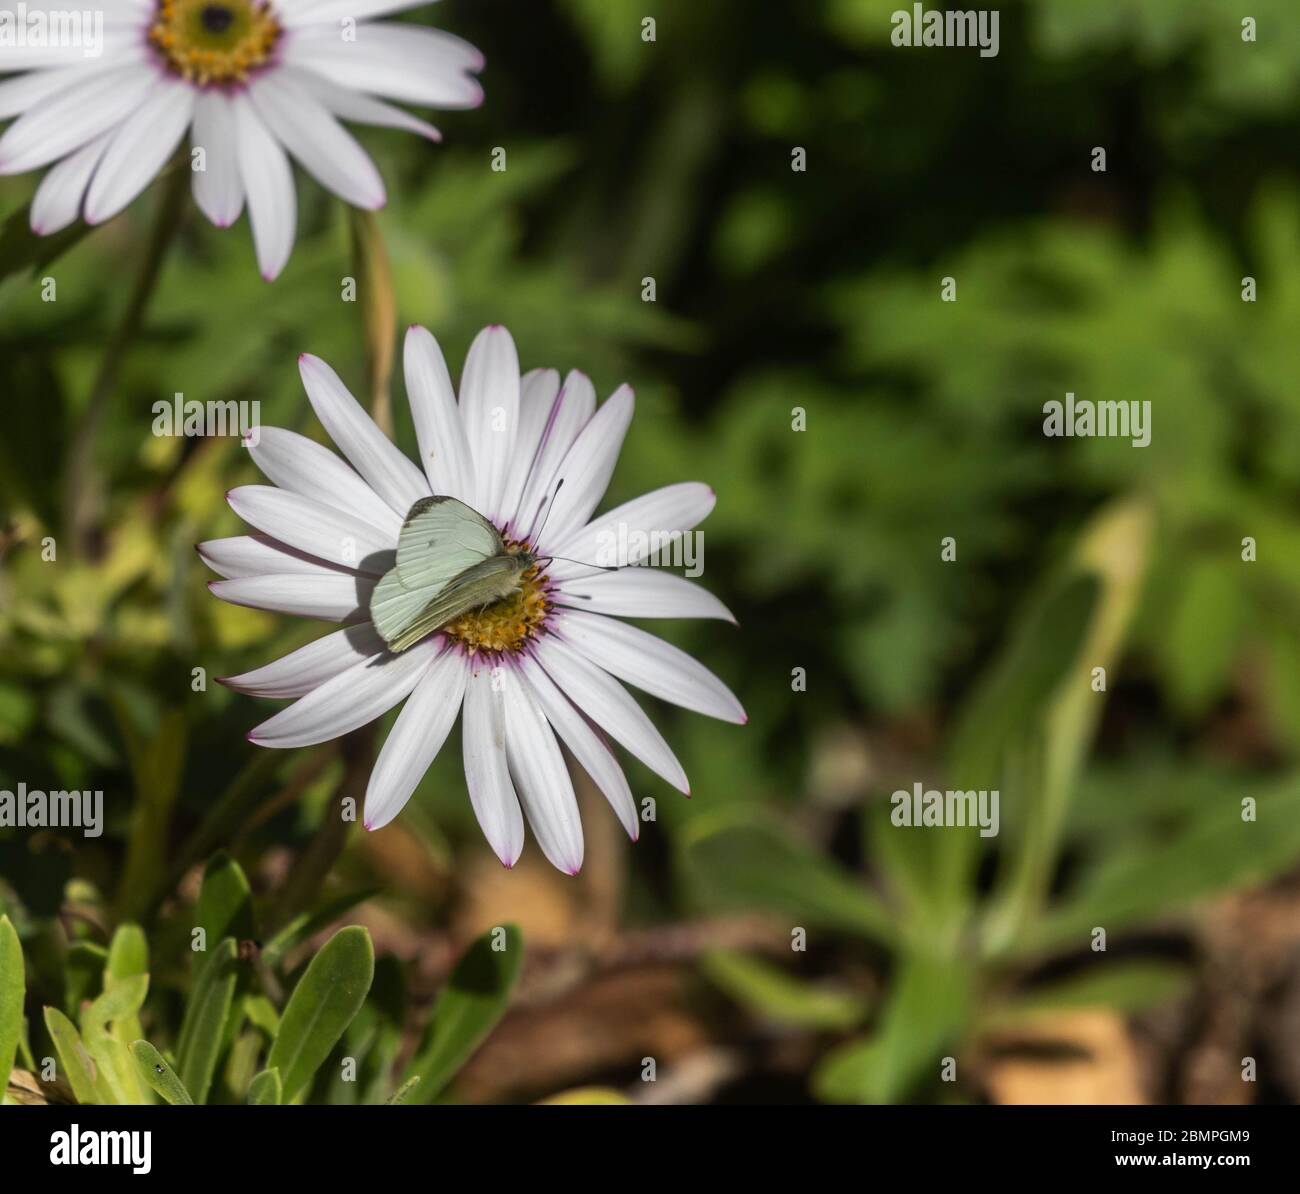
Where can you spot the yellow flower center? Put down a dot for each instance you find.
(508, 624)
(214, 42)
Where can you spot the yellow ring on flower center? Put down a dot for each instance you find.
(214, 41)
(508, 624)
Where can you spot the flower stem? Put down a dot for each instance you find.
(374, 275)
(82, 487)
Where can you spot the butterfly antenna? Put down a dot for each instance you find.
(549, 503)
(584, 564)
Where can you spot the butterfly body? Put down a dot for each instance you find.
(450, 562)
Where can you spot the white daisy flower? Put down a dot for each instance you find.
(248, 79)
(543, 661)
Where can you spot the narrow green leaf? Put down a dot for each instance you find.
(769, 991)
(264, 1090)
(476, 997)
(206, 1013)
(128, 954)
(78, 1065)
(261, 1014)
(225, 904)
(743, 863)
(160, 1076)
(402, 1093)
(305, 924)
(124, 998)
(329, 994)
(925, 1014)
(83, 974)
(1125, 986)
(12, 990)
(115, 1077)
(1170, 870)
(22, 251)
(128, 958)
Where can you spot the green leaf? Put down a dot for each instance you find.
(771, 992)
(160, 1076)
(305, 924)
(206, 1014)
(225, 904)
(1112, 552)
(12, 990)
(402, 1093)
(83, 974)
(128, 954)
(476, 997)
(322, 1005)
(264, 1090)
(78, 1066)
(157, 760)
(1156, 875)
(745, 864)
(115, 1076)
(1125, 986)
(22, 251)
(927, 1008)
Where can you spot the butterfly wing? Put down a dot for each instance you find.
(440, 539)
(403, 616)
(450, 559)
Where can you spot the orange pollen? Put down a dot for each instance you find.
(508, 624)
(214, 42)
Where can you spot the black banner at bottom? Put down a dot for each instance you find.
(342, 1143)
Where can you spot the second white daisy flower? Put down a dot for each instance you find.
(252, 81)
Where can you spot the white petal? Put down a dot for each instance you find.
(402, 62)
(489, 405)
(307, 668)
(629, 532)
(361, 109)
(121, 47)
(101, 101)
(327, 151)
(572, 410)
(537, 393)
(348, 701)
(641, 593)
(651, 664)
(321, 531)
(26, 91)
(303, 466)
(334, 598)
(218, 187)
(608, 704)
(487, 776)
(267, 180)
(260, 555)
(299, 13)
(139, 149)
(593, 755)
(541, 778)
(386, 470)
(58, 199)
(416, 738)
(439, 430)
(586, 469)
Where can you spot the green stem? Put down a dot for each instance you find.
(82, 489)
(374, 276)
